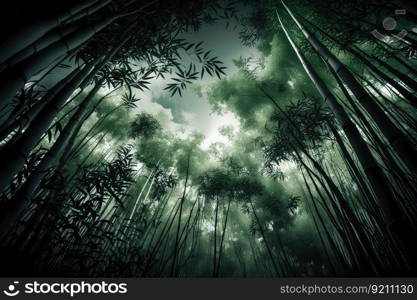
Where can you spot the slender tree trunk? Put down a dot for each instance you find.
(31, 32)
(412, 100)
(173, 271)
(222, 238)
(356, 174)
(52, 36)
(92, 131)
(45, 117)
(398, 140)
(16, 156)
(39, 45)
(15, 77)
(353, 236)
(268, 248)
(386, 200)
(410, 82)
(330, 238)
(323, 244)
(361, 55)
(69, 133)
(215, 238)
(67, 152)
(375, 176)
(27, 118)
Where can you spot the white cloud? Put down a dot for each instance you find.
(212, 134)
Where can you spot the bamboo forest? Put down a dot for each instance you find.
(197, 138)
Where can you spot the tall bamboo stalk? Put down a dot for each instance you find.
(398, 140)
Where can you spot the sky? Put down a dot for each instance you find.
(192, 111)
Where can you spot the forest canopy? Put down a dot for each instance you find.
(208, 138)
